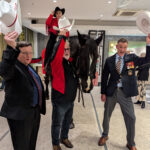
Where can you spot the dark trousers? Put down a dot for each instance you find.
(127, 111)
(49, 47)
(61, 119)
(24, 132)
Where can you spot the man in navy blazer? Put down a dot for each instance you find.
(119, 85)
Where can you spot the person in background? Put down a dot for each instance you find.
(142, 78)
(118, 86)
(24, 93)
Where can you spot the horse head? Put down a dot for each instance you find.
(85, 53)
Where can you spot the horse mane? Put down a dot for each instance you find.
(75, 44)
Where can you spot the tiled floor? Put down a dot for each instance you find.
(86, 133)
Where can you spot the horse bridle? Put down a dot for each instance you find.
(77, 65)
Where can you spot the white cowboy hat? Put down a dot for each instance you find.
(143, 21)
(10, 16)
(64, 23)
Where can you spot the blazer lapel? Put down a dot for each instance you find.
(114, 63)
(114, 60)
(24, 71)
(124, 66)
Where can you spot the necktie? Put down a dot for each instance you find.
(118, 65)
(38, 87)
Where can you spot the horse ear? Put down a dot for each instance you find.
(99, 39)
(81, 39)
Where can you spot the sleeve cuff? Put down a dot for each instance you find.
(10, 55)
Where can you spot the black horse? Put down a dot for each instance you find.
(84, 52)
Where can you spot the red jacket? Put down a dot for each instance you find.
(58, 82)
(62, 79)
(50, 22)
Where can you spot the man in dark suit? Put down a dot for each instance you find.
(24, 93)
(119, 85)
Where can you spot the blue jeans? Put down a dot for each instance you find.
(61, 119)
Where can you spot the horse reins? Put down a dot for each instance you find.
(80, 87)
(78, 76)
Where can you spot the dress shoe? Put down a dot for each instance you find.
(131, 147)
(102, 141)
(143, 105)
(67, 143)
(56, 147)
(138, 102)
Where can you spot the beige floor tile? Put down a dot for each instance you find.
(86, 134)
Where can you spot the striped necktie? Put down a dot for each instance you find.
(118, 65)
(38, 87)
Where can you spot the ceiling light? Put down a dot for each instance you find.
(29, 13)
(101, 15)
(109, 2)
(54, 1)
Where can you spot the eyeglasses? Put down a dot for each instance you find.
(27, 53)
(67, 49)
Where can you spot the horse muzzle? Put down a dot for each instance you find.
(87, 86)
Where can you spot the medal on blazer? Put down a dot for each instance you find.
(130, 73)
(130, 65)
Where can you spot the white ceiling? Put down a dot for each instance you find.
(84, 10)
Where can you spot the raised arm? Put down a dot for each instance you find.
(49, 20)
(9, 56)
(143, 60)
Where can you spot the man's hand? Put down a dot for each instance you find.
(148, 39)
(62, 32)
(103, 97)
(10, 39)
